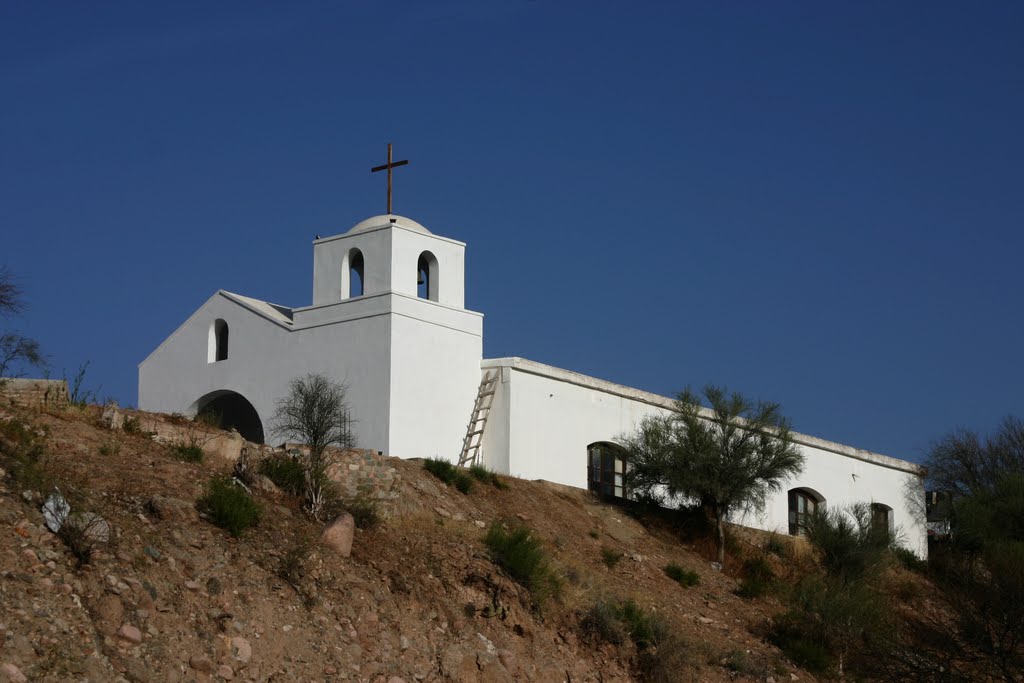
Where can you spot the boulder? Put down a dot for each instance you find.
(171, 509)
(338, 534)
(112, 418)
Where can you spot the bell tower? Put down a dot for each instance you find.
(392, 295)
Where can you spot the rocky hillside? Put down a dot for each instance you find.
(168, 596)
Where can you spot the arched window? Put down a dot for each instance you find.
(803, 503)
(218, 342)
(355, 275)
(881, 518)
(426, 276)
(606, 470)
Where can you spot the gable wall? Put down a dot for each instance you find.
(263, 358)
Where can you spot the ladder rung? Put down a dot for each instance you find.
(479, 431)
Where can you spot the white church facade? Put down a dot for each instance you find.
(388, 320)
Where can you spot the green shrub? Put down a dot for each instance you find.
(683, 577)
(229, 506)
(613, 622)
(775, 545)
(522, 555)
(364, 509)
(131, 425)
(463, 482)
(187, 452)
(610, 557)
(645, 630)
(287, 473)
(24, 455)
(486, 476)
(830, 620)
(801, 643)
(757, 578)
(849, 545)
(449, 474)
(909, 559)
(442, 469)
(601, 622)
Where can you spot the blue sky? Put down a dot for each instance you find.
(817, 204)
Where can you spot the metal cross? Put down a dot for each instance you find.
(388, 166)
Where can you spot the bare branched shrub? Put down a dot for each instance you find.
(316, 412)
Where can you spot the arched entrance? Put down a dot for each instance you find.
(230, 410)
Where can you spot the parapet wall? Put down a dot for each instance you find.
(46, 393)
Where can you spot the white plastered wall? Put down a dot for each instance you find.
(263, 357)
(544, 418)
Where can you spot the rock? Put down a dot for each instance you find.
(92, 527)
(508, 660)
(130, 633)
(192, 585)
(112, 417)
(201, 663)
(109, 613)
(263, 483)
(480, 523)
(213, 586)
(55, 512)
(716, 566)
(338, 534)
(705, 620)
(226, 672)
(13, 673)
(396, 679)
(770, 679)
(152, 552)
(241, 650)
(171, 509)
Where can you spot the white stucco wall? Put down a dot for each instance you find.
(411, 365)
(264, 357)
(545, 417)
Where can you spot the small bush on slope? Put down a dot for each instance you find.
(286, 472)
(449, 474)
(522, 555)
(229, 506)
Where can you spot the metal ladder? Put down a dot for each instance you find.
(481, 409)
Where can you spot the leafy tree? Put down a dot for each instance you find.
(981, 569)
(15, 349)
(728, 458)
(315, 412)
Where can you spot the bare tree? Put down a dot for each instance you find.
(15, 349)
(316, 412)
(12, 298)
(727, 460)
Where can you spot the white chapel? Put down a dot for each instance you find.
(388, 320)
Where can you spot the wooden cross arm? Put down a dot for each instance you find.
(387, 166)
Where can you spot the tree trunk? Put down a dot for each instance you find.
(720, 518)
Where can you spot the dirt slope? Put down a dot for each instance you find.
(174, 598)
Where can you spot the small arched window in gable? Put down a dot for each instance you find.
(606, 470)
(427, 276)
(218, 342)
(355, 274)
(803, 503)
